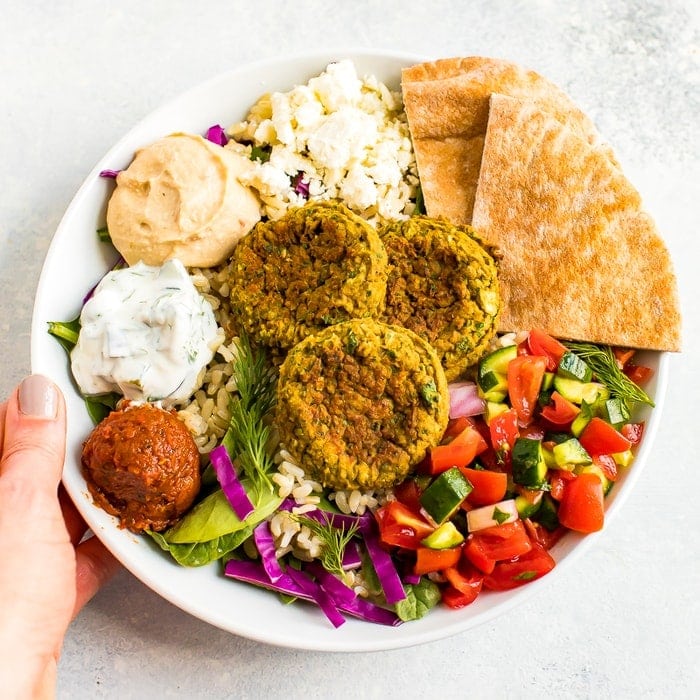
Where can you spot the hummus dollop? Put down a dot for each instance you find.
(181, 198)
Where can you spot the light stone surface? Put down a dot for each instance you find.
(623, 621)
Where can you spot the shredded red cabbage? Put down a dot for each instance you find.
(331, 583)
(369, 612)
(412, 579)
(352, 558)
(384, 566)
(323, 600)
(300, 186)
(266, 547)
(217, 135)
(109, 173)
(340, 520)
(230, 484)
(253, 572)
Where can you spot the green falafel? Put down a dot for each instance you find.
(318, 265)
(360, 403)
(443, 285)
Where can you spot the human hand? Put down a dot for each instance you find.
(47, 574)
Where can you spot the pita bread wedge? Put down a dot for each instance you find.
(581, 260)
(447, 104)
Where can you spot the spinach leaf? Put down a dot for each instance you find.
(420, 599)
(202, 553)
(213, 517)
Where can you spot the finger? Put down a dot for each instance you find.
(75, 524)
(94, 567)
(34, 439)
(3, 412)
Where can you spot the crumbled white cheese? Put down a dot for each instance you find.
(344, 137)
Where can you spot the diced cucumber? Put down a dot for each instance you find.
(547, 513)
(547, 381)
(623, 459)
(494, 409)
(593, 392)
(444, 537)
(593, 469)
(570, 389)
(529, 504)
(493, 387)
(490, 516)
(615, 411)
(529, 466)
(582, 419)
(549, 458)
(570, 452)
(498, 360)
(573, 367)
(445, 494)
(491, 376)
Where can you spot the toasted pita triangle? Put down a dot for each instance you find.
(447, 104)
(581, 260)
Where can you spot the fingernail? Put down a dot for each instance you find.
(37, 397)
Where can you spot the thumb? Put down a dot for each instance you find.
(34, 434)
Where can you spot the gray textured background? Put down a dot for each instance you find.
(622, 622)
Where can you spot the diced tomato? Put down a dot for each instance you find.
(503, 541)
(468, 583)
(556, 483)
(541, 343)
(623, 355)
(582, 505)
(633, 432)
(525, 374)
(459, 452)
(475, 553)
(431, 560)
(408, 492)
(400, 526)
(503, 430)
(489, 486)
(600, 438)
(561, 412)
(520, 570)
(607, 465)
(455, 600)
(639, 374)
(534, 432)
(539, 534)
(454, 427)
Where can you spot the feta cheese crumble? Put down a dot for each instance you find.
(341, 136)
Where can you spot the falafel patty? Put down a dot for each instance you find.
(318, 265)
(360, 403)
(443, 285)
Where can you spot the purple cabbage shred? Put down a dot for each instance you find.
(217, 135)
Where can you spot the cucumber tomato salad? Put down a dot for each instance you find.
(530, 453)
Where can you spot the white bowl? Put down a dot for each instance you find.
(76, 261)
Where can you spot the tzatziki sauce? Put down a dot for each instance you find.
(147, 333)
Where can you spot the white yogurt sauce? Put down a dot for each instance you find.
(146, 333)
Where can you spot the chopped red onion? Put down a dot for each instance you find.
(465, 400)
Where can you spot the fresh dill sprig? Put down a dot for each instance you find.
(248, 434)
(255, 378)
(601, 359)
(334, 539)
